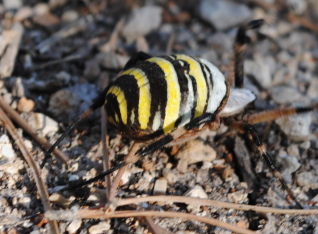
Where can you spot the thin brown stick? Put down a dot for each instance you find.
(171, 41)
(42, 141)
(97, 214)
(128, 159)
(58, 61)
(33, 166)
(204, 202)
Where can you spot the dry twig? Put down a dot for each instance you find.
(205, 202)
(42, 141)
(99, 214)
(128, 159)
(33, 166)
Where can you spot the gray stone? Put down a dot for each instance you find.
(12, 4)
(260, 69)
(224, 14)
(296, 127)
(194, 151)
(287, 95)
(69, 16)
(142, 21)
(308, 179)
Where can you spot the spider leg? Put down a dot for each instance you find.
(271, 115)
(261, 148)
(239, 51)
(195, 123)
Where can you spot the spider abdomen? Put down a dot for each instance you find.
(159, 94)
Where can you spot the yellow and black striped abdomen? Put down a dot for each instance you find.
(162, 93)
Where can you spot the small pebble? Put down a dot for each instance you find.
(23, 13)
(101, 227)
(287, 95)
(217, 13)
(74, 226)
(170, 175)
(260, 69)
(308, 179)
(25, 105)
(92, 70)
(69, 16)
(63, 102)
(41, 122)
(25, 202)
(73, 178)
(142, 21)
(194, 151)
(12, 4)
(63, 76)
(293, 150)
(12, 168)
(41, 9)
(160, 187)
(196, 192)
(296, 127)
(6, 149)
(60, 200)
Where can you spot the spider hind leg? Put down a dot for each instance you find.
(250, 129)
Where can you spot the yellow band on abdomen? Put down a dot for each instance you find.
(121, 102)
(144, 96)
(196, 72)
(173, 93)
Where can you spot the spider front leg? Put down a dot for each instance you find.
(178, 133)
(250, 129)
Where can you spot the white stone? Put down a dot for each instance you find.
(142, 21)
(160, 187)
(69, 16)
(102, 227)
(25, 202)
(196, 192)
(74, 226)
(6, 150)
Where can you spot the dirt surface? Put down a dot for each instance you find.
(57, 55)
